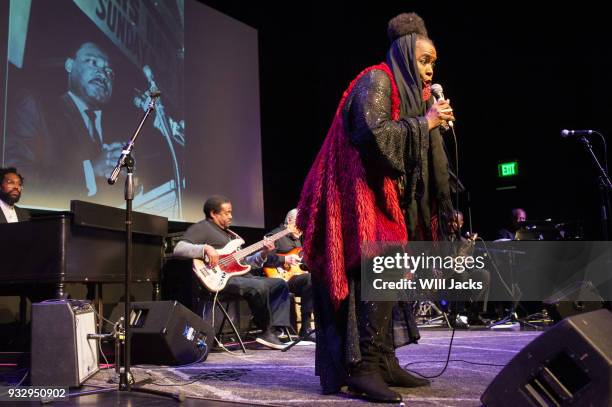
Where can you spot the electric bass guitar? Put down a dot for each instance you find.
(229, 265)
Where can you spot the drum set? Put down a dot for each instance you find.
(509, 253)
(547, 230)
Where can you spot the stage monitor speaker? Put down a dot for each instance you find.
(166, 333)
(61, 354)
(578, 297)
(568, 365)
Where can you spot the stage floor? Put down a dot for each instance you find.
(269, 377)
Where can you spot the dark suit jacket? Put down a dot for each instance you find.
(47, 140)
(22, 215)
(49, 148)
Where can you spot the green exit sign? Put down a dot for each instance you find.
(507, 169)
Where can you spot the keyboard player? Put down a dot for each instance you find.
(10, 192)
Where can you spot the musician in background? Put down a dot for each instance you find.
(10, 192)
(518, 215)
(287, 248)
(268, 298)
(465, 313)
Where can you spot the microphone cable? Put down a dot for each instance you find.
(450, 345)
(456, 168)
(605, 146)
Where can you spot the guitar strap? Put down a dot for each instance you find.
(234, 234)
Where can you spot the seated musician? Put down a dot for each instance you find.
(466, 247)
(518, 215)
(10, 192)
(268, 298)
(297, 279)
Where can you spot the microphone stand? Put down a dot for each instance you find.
(604, 187)
(306, 335)
(604, 193)
(514, 290)
(126, 381)
(127, 161)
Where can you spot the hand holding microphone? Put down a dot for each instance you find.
(440, 113)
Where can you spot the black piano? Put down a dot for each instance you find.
(85, 245)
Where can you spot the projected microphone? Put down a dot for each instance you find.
(155, 93)
(578, 133)
(436, 90)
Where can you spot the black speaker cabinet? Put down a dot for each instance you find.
(166, 333)
(61, 354)
(576, 298)
(568, 365)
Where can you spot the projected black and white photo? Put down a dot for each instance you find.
(78, 82)
(79, 78)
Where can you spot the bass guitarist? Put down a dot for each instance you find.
(268, 298)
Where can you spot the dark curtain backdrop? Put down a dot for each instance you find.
(516, 76)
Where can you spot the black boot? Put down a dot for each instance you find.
(393, 374)
(371, 386)
(364, 378)
(391, 371)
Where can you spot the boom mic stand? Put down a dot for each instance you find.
(127, 161)
(122, 337)
(513, 290)
(604, 189)
(605, 186)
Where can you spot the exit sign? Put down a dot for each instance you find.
(507, 169)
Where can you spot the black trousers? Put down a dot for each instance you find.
(301, 286)
(268, 299)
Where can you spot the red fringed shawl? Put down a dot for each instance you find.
(339, 210)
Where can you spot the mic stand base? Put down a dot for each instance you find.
(125, 381)
(302, 337)
(509, 323)
(124, 377)
(133, 389)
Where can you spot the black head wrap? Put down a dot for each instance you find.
(401, 59)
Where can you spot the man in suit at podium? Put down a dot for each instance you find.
(53, 140)
(10, 192)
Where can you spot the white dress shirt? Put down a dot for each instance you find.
(82, 107)
(9, 212)
(88, 171)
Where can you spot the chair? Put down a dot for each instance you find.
(204, 308)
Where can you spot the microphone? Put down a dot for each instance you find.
(436, 90)
(155, 93)
(579, 133)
